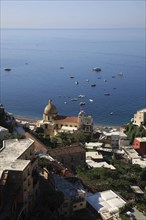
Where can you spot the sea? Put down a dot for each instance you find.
(58, 64)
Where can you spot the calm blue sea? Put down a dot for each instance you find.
(35, 57)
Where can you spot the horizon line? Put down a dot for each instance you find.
(66, 28)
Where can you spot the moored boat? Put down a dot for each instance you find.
(81, 96)
(82, 103)
(120, 74)
(97, 69)
(107, 93)
(74, 99)
(7, 69)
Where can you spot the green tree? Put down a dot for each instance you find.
(79, 136)
(143, 174)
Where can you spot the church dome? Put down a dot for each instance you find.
(50, 109)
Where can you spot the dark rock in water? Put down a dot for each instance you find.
(7, 69)
(93, 85)
(106, 93)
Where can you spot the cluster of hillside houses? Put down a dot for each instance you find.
(19, 171)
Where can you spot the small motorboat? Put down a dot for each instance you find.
(74, 99)
(93, 85)
(61, 67)
(87, 80)
(7, 69)
(97, 69)
(81, 96)
(111, 113)
(113, 77)
(107, 93)
(72, 77)
(82, 103)
(76, 82)
(120, 74)
(90, 100)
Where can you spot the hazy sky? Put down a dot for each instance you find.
(73, 14)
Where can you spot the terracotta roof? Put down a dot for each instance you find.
(66, 119)
(66, 150)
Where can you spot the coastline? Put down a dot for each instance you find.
(26, 118)
(34, 120)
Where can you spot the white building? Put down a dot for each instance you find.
(134, 157)
(94, 155)
(140, 117)
(74, 197)
(94, 164)
(3, 132)
(140, 161)
(114, 137)
(93, 145)
(18, 177)
(106, 203)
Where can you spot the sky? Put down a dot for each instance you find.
(73, 14)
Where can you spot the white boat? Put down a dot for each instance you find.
(74, 99)
(76, 82)
(120, 74)
(87, 80)
(111, 113)
(90, 100)
(97, 69)
(81, 96)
